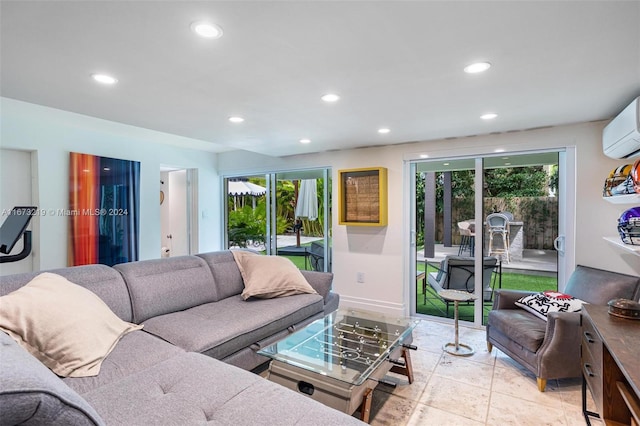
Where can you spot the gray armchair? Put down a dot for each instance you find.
(551, 349)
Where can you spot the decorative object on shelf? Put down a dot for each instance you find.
(629, 226)
(362, 197)
(619, 182)
(624, 308)
(635, 176)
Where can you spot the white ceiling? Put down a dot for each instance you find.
(395, 64)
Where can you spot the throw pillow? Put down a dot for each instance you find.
(541, 304)
(65, 326)
(267, 277)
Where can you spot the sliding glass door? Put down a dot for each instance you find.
(485, 223)
(284, 213)
(445, 197)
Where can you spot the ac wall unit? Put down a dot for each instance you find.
(621, 137)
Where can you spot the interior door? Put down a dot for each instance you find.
(178, 212)
(178, 229)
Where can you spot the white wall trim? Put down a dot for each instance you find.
(372, 305)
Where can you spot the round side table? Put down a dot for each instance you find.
(457, 296)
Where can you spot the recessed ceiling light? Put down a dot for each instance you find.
(330, 97)
(477, 67)
(104, 78)
(206, 29)
(505, 158)
(499, 150)
(384, 130)
(424, 156)
(106, 169)
(236, 119)
(489, 116)
(507, 164)
(445, 164)
(305, 140)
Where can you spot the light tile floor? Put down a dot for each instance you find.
(483, 389)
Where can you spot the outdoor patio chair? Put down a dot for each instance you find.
(467, 237)
(458, 273)
(498, 224)
(316, 256)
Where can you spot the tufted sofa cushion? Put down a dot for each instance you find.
(226, 275)
(30, 393)
(162, 286)
(197, 390)
(217, 330)
(100, 279)
(135, 352)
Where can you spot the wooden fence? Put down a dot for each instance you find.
(539, 215)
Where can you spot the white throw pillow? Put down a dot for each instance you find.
(267, 277)
(65, 326)
(541, 304)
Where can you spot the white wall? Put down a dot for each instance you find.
(54, 133)
(379, 251)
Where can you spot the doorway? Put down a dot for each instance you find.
(178, 211)
(453, 198)
(284, 213)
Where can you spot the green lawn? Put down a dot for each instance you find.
(298, 261)
(436, 307)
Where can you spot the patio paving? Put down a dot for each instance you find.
(538, 262)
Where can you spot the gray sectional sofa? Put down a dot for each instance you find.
(182, 368)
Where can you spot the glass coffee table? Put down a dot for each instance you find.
(339, 359)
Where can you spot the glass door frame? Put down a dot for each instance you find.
(271, 180)
(566, 218)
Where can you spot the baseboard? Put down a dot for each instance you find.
(381, 306)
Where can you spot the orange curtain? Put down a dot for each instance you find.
(84, 179)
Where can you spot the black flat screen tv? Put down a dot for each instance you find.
(14, 226)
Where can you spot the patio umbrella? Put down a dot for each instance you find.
(307, 203)
(241, 187)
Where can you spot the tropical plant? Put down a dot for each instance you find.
(505, 183)
(247, 226)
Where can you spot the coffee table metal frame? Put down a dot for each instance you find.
(339, 359)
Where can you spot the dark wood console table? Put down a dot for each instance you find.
(610, 354)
